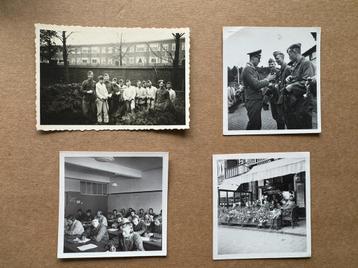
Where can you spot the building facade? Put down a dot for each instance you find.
(134, 54)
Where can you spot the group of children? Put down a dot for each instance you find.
(132, 227)
(108, 100)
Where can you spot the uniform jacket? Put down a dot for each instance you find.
(300, 72)
(252, 83)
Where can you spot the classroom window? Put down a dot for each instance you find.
(93, 188)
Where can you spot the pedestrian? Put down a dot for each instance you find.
(88, 90)
(299, 112)
(253, 86)
(102, 101)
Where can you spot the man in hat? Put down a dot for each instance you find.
(278, 112)
(253, 86)
(299, 106)
(88, 90)
(127, 240)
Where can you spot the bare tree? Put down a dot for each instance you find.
(171, 57)
(63, 37)
(121, 53)
(175, 76)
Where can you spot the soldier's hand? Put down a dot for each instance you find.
(289, 78)
(270, 77)
(289, 88)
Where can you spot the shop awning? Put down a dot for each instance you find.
(269, 170)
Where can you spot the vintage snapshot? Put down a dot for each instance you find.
(112, 204)
(271, 80)
(261, 206)
(101, 78)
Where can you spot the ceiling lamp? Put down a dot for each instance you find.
(104, 159)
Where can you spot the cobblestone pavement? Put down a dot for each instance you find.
(237, 241)
(238, 119)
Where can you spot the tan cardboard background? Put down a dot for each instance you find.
(29, 159)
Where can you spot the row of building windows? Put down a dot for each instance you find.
(109, 61)
(134, 48)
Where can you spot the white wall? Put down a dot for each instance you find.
(151, 181)
(136, 201)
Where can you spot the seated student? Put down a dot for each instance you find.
(127, 240)
(141, 213)
(122, 211)
(128, 212)
(118, 221)
(97, 232)
(74, 227)
(80, 215)
(138, 225)
(156, 227)
(88, 217)
(102, 219)
(147, 220)
(113, 215)
(151, 212)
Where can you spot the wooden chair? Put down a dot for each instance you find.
(290, 215)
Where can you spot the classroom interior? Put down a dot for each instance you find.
(107, 183)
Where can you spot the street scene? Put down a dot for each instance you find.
(238, 118)
(262, 206)
(265, 241)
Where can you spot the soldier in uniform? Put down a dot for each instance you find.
(299, 103)
(88, 89)
(253, 90)
(279, 114)
(162, 98)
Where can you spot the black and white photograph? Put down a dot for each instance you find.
(112, 204)
(271, 80)
(105, 78)
(261, 206)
